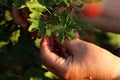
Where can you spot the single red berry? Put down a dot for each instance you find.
(93, 10)
(70, 8)
(34, 33)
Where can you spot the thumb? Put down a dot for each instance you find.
(52, 61)
(73, 45)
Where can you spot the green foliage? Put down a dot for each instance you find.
(19, 3)
(18, 52)
(53, 18)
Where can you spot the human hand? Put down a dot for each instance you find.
(78, 60)
(103, 15)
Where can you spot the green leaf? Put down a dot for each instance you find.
(34, 25)
(68, 2)
(35, 15)
(44, 2)
(34, 5)
(70, 34)
(64, 17)
(57, 2)
(42, 28)
(36, 9)
(19, 3)
(60, 33)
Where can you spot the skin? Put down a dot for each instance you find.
(82, 62)
(109, 18)
(85, 61)
(103, 15)
(78, 59)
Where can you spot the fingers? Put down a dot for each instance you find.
(51, 44)
(53, 54)
(58, 48)
(45, 45)
(68, 44)
(74, 46)
(77, 34)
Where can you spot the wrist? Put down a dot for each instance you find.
(117, 75)
(114, 67)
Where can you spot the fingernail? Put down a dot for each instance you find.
(45, 40)
(77, 34)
